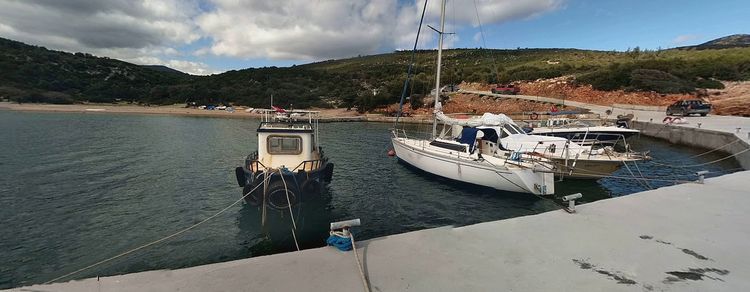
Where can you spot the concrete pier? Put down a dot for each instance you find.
(689, 237)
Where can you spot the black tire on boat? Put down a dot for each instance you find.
(328, 172)
(241, 179)
(255, 197)
(277, 194)
(311, 187)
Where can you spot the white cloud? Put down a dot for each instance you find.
(151, 31)
(682, 39)
(135, 31)
(323, 29)
(195, 68)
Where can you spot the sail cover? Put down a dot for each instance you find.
(487, 119)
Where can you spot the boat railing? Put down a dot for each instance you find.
(254, 165)
(309, 165)
(398, 132)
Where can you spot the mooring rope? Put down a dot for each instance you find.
(702, 164)
(641, 174)
(641, 181)
(155, 241)
(717, 149)
(359, 264)
(348, 234)
(291, 214)
(538, 196)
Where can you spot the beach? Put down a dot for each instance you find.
(326, 115)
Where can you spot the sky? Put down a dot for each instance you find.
(205, 37)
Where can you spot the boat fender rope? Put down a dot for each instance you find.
(294, 177)
(339, 241)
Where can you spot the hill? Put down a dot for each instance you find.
(736, 40)
(732, 41)
(35, 74)
(162, 68)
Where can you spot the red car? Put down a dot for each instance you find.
(506, 89)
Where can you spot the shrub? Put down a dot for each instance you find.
(44, 97)
(659, 81)
(708, 83)
(612, 78)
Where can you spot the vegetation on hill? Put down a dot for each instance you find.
(35, 74)
(732, 41)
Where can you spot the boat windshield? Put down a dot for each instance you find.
(512, 129)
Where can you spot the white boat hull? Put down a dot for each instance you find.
(463, 168)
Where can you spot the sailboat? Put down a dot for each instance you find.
(467, 150)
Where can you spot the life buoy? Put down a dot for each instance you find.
(534, 116)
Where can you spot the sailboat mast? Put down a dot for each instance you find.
(439, 62)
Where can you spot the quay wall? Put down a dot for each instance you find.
(709, 139)
(640, 107)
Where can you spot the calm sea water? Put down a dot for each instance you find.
(79, 188)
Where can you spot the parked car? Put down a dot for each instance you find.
(506, 89)
(689, 107)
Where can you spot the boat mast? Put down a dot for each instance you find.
(439, 62)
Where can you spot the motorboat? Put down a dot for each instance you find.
(586, 132)
(289, 166)
(571, 159)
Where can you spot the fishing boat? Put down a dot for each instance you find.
(289, 166)
(466, 158)
(586, 132)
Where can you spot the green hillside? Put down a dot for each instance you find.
(35, 74)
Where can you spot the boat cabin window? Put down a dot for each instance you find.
(510, 129)
(284, 145)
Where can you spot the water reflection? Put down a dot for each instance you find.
(274, 234)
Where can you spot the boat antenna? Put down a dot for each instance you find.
(439, 62)
(411, 66)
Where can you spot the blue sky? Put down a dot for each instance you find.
(213, 36)
(619, 25)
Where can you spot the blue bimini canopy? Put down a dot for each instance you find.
(468, 136)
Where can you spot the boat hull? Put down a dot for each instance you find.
(299, 186)
(586, 169)
(512, 179)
